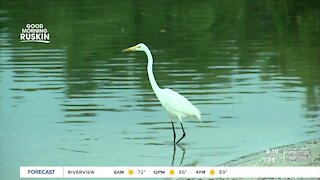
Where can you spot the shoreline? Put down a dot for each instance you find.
(306, 153)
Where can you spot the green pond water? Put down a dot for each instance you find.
(251, 67)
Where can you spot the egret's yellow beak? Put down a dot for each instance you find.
(130, 49)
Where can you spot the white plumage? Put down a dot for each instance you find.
(175, 104)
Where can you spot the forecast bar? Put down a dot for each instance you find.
(167, 172)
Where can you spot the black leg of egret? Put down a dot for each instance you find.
(174, 133)
(183, 135)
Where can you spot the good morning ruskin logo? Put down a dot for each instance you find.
(34, 33)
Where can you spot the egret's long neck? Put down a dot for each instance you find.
(152, 80)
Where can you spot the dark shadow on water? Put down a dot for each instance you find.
(157, 144)
(72, 150)
(140, 138)
(152, 123)
(206, 126)
(76, 121)
(161, 128)
(203, 124)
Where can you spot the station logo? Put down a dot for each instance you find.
(34, 33)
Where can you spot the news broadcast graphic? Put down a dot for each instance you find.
(159, 89)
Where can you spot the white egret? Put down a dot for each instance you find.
(174, 103)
